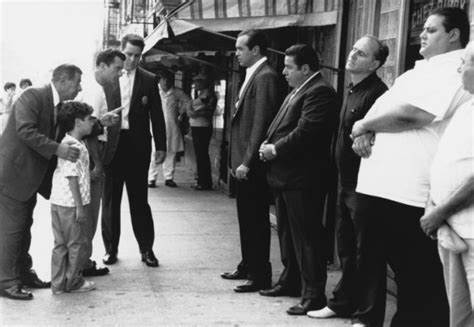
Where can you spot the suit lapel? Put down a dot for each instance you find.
(247, 87)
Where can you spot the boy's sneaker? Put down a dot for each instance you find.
(86, 287)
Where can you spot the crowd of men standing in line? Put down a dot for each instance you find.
(284, 149)
(381, 198)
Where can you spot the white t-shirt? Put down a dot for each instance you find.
(398, 168)
(454, 164)
(93, 94)
(61, 192)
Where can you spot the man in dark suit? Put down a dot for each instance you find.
(28, 148)
(127, 155)
(297, 151)
(255, 108)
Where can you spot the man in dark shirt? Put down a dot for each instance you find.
(366, 56)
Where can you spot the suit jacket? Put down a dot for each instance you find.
(145, 104)
(27, 145)
(250, 120)
(302, 132)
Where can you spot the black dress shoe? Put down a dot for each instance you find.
(32, 281)
(94, 271)
(251, 286)
(279, 290)
(170, 183)
(304, 306)
(151, 184)
(203, 187)
(109, 258)
(236, 274)
(149, 258)
(16, 292)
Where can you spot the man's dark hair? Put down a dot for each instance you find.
(256, 37)
(133, 39)
(304, 55)
(8, 85)
(108, 56)
(66, 70)
(25, 81)
(455, 18)
(169, 76)
(382, 49)
(70, 110)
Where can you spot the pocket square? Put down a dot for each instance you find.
(450, 240)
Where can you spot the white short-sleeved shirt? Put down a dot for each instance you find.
(454, 164)
(398, 168)
(93, 94)
(61, 192)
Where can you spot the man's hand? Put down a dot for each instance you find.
(160, 156)
(80, 214)
(111, 118)
(96, 173)
(362, 145)
(358, 129)
(68, 151)
(267, 152)
(432, 219)
(241, 172)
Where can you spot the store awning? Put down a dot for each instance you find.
(236, 15)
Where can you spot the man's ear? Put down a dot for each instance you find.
(454, 35)
(256, 49)
(306, 70)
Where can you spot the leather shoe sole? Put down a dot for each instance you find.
(16, 292)
(234, 275)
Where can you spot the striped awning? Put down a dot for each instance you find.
(235, 15)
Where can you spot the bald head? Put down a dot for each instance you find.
(467, 68)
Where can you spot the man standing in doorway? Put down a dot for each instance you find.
(255, 108)
(127, 155)
(367, 55)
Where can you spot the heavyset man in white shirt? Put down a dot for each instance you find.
(393, 180)
(452, 201)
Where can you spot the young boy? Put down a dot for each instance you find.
(70, 197)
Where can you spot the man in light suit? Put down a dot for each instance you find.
(127, 154)
(28, 149)
(255, 108)
(297, 151)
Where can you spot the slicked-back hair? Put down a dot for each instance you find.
(26, 81)
(65, 70)
(108, 56)
(133, 39)
(455, 18)
(303, 55)
(70, 110)
(382, 49)
(256, 37)
(8, 85)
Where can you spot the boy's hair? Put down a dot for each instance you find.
(108, 56)
(69, 111)
(8, 85)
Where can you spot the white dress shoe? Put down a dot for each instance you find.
(324, 313)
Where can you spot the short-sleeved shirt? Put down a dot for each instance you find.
(398, 168)
(61, 192)
(454, 164)
(94, 95)
(359, 99)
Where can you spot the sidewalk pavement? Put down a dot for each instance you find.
(196, 240)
